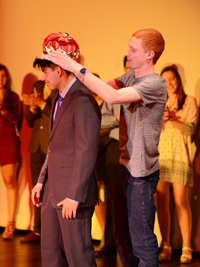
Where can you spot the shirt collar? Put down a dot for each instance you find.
(66, 90)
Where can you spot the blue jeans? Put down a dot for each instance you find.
(134, 216)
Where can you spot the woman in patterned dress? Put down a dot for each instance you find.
(10, 113)
(175, 159)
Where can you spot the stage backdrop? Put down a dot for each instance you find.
(103, 29)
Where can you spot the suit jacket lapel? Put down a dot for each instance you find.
(62, 108)
(51, 114)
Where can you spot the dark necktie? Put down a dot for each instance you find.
(60, 99)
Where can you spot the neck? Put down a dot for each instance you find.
(172, 98)
(66, 79)
(145, 70)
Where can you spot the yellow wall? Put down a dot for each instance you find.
(103, 30)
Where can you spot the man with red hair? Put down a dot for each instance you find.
(143, 94)
(67, 185)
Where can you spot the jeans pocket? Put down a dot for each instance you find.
(152, 187)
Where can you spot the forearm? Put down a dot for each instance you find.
(177, 124)
(110, 95)
(11, 116)
(104, 90)
(94, 84)
(109, 124)
(109, 121)
(186, 128)
(29, 115)
(109, 116)
(189, 128)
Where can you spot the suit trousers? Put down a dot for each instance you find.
(66, 242)
(134, 216)
(37, 161)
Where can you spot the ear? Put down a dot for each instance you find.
(150, 54)
(60, 71)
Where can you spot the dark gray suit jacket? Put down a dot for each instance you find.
(69, 166)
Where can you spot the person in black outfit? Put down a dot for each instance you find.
(37, 115)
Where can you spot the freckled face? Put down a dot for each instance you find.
(3, 79)
(171, 81)
(136, 56)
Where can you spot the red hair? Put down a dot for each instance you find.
(151, 40)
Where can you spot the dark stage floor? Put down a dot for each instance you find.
(15, 254)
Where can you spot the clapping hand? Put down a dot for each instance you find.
(173, 116)
(34, 100)
(166, 114)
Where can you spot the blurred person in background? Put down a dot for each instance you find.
(126, 65)
(37, 114)
(106, 166)
(10, 114)
(180, 119)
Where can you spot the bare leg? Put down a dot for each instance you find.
(184, 214)
(163, 198)
(100, 211)
(9, 172)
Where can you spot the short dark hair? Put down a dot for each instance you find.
(41, 63)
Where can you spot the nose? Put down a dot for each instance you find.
(168, 83)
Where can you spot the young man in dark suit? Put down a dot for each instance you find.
(37, 114)
(67, 183)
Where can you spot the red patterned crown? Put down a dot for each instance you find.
(60, 42)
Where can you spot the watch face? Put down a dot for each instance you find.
(83, 71)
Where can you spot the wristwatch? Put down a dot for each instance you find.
(82, 73)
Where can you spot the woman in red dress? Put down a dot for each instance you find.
(10, 112)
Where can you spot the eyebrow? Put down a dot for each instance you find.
(134, 47)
